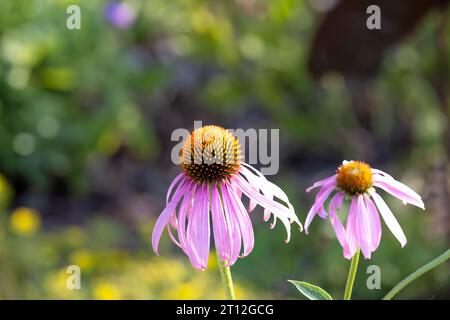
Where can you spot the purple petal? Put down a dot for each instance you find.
(321, 183)
(221, 227)
(378, 171)
(266, 186)
(336, 203)
(236, 239)
(252, 205)
(241, 218)
(398, 190)
(363, 227)
(198, 231)
(321, 197)
(389, 218)
(258, 181)
(173, 184)
(167, 213)
(184, 213)
(239, 193)
(351, 241)
(375, 223)
(172, 236)
(281, 212)
(322, 213)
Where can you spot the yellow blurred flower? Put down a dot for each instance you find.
(25, 221)
(106, 291)
(185, 291)
(83, 258)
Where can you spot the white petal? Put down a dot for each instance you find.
(389, 218)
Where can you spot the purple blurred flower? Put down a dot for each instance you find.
(213, 190)
(357, 181)
(120, 14)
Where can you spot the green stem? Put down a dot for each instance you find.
(225, 274)
(351, 276)
(416, 274)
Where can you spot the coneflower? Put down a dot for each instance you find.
(356, 181)
(209, 193)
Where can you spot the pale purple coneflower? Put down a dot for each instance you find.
(209, 193)
(356, 181)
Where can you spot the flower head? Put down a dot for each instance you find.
(209, 192)
(356, 181)
(210, 154)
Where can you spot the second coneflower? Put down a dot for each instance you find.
(208, 193)
(356, 181)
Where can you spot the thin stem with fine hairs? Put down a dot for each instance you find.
(416, 274)
(351, 276)
(227, 280)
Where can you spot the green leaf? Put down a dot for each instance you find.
(310, 291)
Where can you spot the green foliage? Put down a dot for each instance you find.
(310, 291)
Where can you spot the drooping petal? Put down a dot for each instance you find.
(363, 227)
(167, 213)
(375, 223)
(252, 205)
(236, 239)
(266, 186)
(258, 181)
(198, 230)
(321, 183)
(173, 219)
(389, 218)
(335, 204)
(322, 213)
(184, 213)
(281, 212)
(321, 197)
(223, 238)
(173, 184)
(238, 193)
(398, 190)
(241, 219)
(172, 236)
(351, 241)
(380, 172)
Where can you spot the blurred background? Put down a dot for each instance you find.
(86, 118)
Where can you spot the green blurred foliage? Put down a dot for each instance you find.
(67, 95)
(73, 98)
